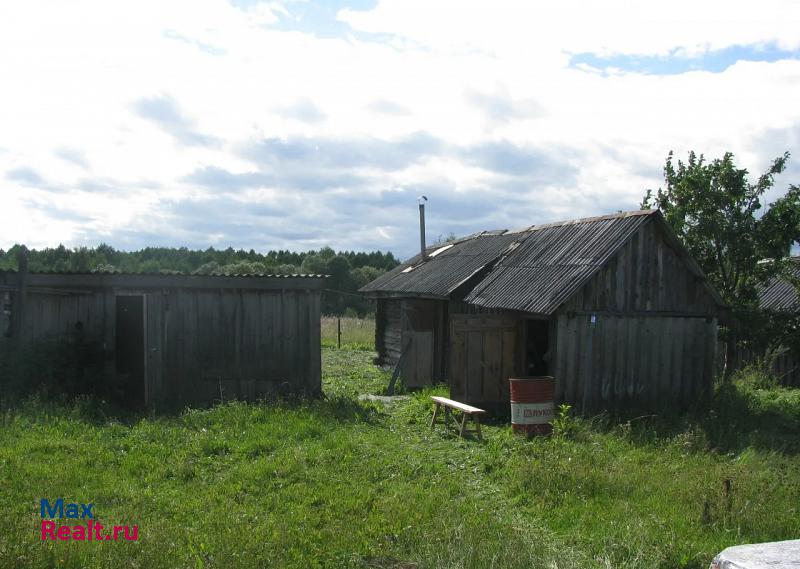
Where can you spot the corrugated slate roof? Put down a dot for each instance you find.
(170, 274)
(781, 295)
(440, 275)
(553, 261)
(533, 270)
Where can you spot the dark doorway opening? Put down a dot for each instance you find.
(130, 350)
(537, 347)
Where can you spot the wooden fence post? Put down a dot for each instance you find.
(18, 303)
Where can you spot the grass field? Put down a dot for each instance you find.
(357, 333)
(344, 483)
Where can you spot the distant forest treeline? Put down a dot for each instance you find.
(348, 270)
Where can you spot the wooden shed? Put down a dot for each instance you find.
(175, 340)
(780, 297)
(613, 307)
(413, 304)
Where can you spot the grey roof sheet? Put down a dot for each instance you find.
(534, 270)
(553, 261)
(780, 295)
(170, 274)
(441, 275)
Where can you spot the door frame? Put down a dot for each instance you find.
(466, 324)
(523, 341)
(145, 349)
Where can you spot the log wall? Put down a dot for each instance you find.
(388, 331)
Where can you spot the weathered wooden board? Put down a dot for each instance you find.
(202, 344)
(646, 275)
(482, 350)
(633, 361)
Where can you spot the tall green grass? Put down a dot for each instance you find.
(357, 333)
(339, 482)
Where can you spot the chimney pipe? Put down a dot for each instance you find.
(421, 200)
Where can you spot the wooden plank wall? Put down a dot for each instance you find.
(201, 345)
(234, 344)
(441, 347)
(646, 275)
(53, 315)
(654, 340)
(50, 316)
(638, 362)
(5, 320)
(482, 358)
(461, 307)
(418, 321)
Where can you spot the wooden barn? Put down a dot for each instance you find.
(175, 340)
(414, 304)
(613, 307)
(779, 296)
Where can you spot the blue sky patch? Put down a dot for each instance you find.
(315, 18)
(675, 63)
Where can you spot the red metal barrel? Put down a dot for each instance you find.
(532, 404)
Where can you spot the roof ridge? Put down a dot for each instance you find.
(618, 215)
(167, 274)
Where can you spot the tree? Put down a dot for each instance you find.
(444, 239)
(339, 279)
(716, 211)
(207, 268)
(364, 275)
(314, 265)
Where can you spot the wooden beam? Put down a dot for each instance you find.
(43, 290)
(640, 313)
(399, 295)
(134, 281)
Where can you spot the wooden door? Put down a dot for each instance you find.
(131, 349)
(418, 367)
(418, 342)
(482, 355)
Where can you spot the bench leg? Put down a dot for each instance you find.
(463, 424)
(435, 412)
(477, 419)
(447, 417)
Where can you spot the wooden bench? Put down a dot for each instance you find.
(466, 410)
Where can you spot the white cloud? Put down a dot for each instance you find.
(506, 27)
(146, 118)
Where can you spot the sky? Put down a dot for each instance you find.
(296, 125)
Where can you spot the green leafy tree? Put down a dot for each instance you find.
(339, 280)
(739, 244)
(364, 275)
(209, 268)
(327, 253)
(314, 265)
(242, 268)
(286, 269)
